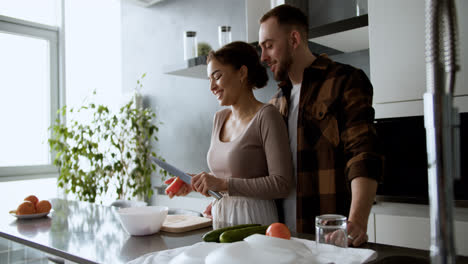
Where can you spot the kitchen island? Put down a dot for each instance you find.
(90, 233)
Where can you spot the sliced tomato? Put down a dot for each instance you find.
(170, 180)
(278, 230)
(174, 187)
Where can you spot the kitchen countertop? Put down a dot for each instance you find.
(90, 233)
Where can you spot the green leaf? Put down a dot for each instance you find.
(104, 149)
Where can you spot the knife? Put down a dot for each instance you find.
(182, 175)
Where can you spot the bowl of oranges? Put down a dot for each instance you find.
(32, 207)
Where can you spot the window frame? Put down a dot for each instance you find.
(55, 38)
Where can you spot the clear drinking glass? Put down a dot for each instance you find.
(190, 45)
(224, 35)
(330, 229)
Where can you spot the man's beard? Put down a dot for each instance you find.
(283, 67)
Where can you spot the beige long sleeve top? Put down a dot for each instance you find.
(258, 163)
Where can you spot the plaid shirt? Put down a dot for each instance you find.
(336, 138)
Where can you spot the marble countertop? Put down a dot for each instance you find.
(90, 233)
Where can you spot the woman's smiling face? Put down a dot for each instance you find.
(225, 82)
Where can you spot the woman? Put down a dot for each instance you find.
(249, 156)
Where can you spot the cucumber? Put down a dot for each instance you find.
(239, 234)
(213, 236)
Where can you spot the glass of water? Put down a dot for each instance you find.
(330, 229)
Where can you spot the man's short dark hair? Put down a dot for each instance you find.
(289, 16)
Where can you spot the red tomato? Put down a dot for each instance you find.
(278, 230)
(174, 187)
(170, 180)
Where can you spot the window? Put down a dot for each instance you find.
(29, 85)
(32, 73)
(44, 12)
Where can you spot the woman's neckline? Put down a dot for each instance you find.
(245, 129)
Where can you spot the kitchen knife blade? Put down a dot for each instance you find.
(182, 175)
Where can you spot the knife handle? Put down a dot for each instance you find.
(216, 195)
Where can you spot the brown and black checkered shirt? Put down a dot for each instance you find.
(336, 138)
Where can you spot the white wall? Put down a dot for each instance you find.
(152, 42)
(93, 52)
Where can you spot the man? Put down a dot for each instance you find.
(328, 108)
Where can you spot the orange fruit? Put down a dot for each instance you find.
(43, 206)
(32, 198)
(278, 230)
(26, 207)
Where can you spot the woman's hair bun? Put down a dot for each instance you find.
(259, 77)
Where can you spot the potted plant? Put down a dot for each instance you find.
(109, 154)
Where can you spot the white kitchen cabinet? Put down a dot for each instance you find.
(408, 225)
(412, 108)
(371, 228)
(404, 231)
(461, 237)
(397, 47)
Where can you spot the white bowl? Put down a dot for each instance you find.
(142, 221)
(128, 203)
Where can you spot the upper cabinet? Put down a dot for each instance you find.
(397, 50)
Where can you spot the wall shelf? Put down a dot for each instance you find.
(343, 36)
(196, 68)
(346, 35)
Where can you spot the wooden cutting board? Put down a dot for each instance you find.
(184, 223)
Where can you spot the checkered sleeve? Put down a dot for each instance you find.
(359, 137)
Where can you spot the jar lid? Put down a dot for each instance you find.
(225, 28)
(190, 33)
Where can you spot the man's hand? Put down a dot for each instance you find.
(363, 193)
(336, 238)
(357, 234)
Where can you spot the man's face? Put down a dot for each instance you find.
(276, 51)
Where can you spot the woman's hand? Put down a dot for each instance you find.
(177, 187)
(203, 182)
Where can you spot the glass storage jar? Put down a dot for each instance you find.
(190, 45)
(224, 35)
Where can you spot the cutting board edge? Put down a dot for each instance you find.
(201, 222)
(185, 229)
